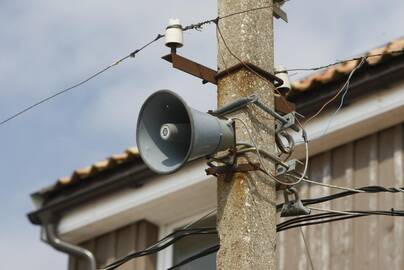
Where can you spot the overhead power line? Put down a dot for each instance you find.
(359, 58)
(196, 26)
(348, 192)
(63, 91)
(300, 221)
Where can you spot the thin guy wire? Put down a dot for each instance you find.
(332, 211)
(336, 95)
(332, 186)
(132, 54)
(211, 212)
(307, 247)
(346, 86)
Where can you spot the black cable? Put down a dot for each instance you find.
(300, 221)
(132, 54)
(367, 189)
(176, 236)
(314, 220)
(330, 217)
(343, 217)
(205, 252)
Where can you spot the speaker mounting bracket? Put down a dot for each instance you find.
(209, 75)
(231, 169)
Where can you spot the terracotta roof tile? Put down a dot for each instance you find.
(84, 173)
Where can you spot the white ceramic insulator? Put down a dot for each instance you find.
(174, 36)
(283, 75)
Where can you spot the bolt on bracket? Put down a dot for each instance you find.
(289, 121)
(294, 207)
(291, 167)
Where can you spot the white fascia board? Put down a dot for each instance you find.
(364, 116)
(161, 200)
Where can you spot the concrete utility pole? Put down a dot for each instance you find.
(246, 204)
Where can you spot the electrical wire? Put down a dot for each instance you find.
(341, 62)
(160, 245)
(168, 240)
(330, 211)
(345, 86)
(264, 169)
(331, 186)
(30, 107)
(350, 192)
(330, 216)
(211, 212)
(307, 248)
(304, 134)
(283, 99)
(203, 253)
(327, 217)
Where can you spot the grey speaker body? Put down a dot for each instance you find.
(194, 134)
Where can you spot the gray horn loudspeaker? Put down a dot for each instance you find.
(169, 133)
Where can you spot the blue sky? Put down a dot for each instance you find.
(48, 45)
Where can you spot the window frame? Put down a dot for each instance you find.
(165, 257)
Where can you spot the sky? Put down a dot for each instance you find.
(47, 45)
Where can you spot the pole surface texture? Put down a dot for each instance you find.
(246, 203)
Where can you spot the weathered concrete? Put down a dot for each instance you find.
(246, 204)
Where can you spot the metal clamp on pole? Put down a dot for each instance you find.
(291, 167)
(295, 207)
(235, 105)
(289, 121)
(282, 122)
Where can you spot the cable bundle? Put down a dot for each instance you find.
(161, 244)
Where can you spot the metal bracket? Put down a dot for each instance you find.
(279, 13)
(268, 76)
(209, 75)
(289, 121)
(230, 169)
(191, 67)
(295, 207)
(291, 167)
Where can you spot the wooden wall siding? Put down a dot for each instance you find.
(119, 243)
(362, 243)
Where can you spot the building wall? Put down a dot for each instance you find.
(121, 242)
(365, 242)
(362, 243)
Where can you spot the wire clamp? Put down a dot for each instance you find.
(294, 207)
(287, 121)
(291, 167)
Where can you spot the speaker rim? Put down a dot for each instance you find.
(191, 121)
